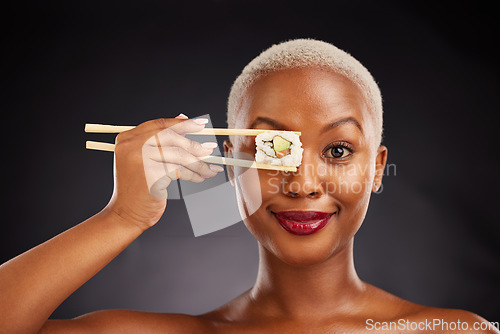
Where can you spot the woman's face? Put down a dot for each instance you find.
(341, 164)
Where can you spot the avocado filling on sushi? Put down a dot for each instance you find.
(281, 146)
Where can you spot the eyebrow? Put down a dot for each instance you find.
(341, 121)
(268, 121)
(278, 125)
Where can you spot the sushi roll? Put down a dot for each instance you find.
(281, 148)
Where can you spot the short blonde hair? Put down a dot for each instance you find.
(307, 53)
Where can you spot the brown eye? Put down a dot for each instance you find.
(337, 151)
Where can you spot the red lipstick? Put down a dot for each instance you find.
(302, 222)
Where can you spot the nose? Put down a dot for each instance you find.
(306, 181)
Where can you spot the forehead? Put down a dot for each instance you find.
(303, 99)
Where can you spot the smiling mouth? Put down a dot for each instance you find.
(303, 222)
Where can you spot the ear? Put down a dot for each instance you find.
(380, 162)
(228, 153)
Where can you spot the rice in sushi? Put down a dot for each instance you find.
(281, 148)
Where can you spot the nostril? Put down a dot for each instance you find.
(292, 194)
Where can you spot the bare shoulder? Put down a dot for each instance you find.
(128, 321)
(390, 312)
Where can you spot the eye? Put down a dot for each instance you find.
(340, 150)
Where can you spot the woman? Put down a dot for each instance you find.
(304, 222)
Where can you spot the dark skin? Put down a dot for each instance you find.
(309, 283)
(305, 284)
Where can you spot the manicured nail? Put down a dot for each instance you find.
(216, 168)
(209, 145)
(201, 121)
(182, 116)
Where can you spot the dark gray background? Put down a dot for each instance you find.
(431, 236)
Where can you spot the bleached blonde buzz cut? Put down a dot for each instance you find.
(300, 53)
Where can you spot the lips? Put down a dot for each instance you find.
(303, 222)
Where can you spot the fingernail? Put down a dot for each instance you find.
(200, 121)
(182, 116)
(216, 168)
(209, 145)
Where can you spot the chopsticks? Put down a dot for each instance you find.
(95, 145)
(102, 128)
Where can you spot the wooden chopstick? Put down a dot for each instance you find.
(99, 146)
(103, 128)
(95, 145)
(245, 163)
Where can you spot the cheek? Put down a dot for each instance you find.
(254, 191)
(353, 185)
(255, 187)
(248, 190)
(352, 181)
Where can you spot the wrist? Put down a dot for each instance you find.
(119, 217)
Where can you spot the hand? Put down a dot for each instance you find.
(147, 159)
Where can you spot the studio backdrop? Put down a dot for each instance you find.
(431, 233)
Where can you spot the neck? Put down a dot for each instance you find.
(317, 290)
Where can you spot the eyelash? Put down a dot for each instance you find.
(342, 144)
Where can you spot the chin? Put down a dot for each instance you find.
(300, 258)
(297, 250)
(305, 254)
